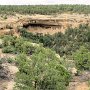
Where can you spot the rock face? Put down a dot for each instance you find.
(7, 76)
(73, 71)
(51, 23)
(45, 23)
(4, 73)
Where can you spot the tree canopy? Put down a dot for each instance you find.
(44, 9)
(43, 71)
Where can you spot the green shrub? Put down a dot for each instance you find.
(5, 17)
(1, 45)
(82, 58)
(8, 49)
(43, 71)
(10, 60)
(28, 48)
(2, 60)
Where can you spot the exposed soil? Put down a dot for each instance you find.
(9, 71)
(13, 70)
(45, 30)
(8, 84)
(80, 82)
(4, 55)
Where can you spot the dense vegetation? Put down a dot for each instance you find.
(63, 44)
(45, 9)
(66, 44)
(39, 67)
(42, 71)
(82, 58)
(45, 61)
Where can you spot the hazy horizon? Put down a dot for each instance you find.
(43, 2)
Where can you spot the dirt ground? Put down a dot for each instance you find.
(79, 86)
(80, 82)
(12, 69)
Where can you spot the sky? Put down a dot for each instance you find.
(45, 2)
